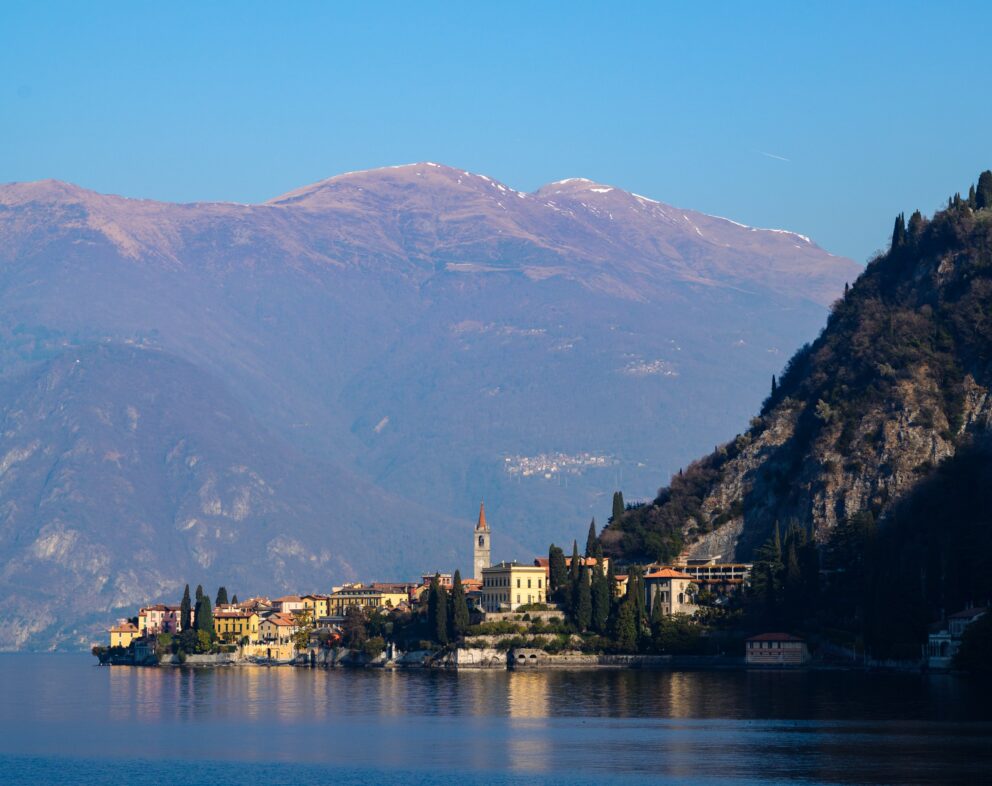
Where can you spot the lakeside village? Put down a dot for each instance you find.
(560, 611)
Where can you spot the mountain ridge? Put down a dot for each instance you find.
(421, 345)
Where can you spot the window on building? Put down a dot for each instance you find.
(528, 583)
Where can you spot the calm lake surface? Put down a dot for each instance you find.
(65, 720)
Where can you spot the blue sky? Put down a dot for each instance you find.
(823, 118)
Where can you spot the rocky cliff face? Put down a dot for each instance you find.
(897, 383)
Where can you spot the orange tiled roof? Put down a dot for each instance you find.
(282, 620)
(667, 573)
(482, 526)
(124, 627)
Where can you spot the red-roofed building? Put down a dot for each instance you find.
(776, 649)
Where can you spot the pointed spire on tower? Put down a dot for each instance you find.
(482, 526)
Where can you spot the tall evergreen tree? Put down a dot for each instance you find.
(617, 506)
(635, 592)
(583, 608)
(775, 381)
(575, 566)
(459, 608)
(626, 626)
(767, 576)
(591, 539)
(186, 611)
(437, 611)
(657, 619)
(199, 592)
(221, 597)
(204, 615)
(574, 573)
(441, 634)
(234, 600)
(983, 194)
(899, 231)
(557, 572)
(916, 224)
(600, 593)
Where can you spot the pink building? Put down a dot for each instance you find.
(160, 618)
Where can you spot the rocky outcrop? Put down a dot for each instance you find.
(897, 383)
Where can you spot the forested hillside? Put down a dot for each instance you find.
(874, 443)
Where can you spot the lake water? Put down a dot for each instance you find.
(65, 720)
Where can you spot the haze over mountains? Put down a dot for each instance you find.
(321, 387)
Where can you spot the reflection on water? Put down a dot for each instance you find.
(608, 725)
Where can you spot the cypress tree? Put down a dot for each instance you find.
(185, 611)
(441, 634)
(432, 605)
(583, 610)
(899, 231)
(916, 224)
(591, 539)
(576, 564)
(635, 594)
(557, 572)
(199, 592)
(626, 628)
(617, 506)
(775, 381)
(600, 592)
(459, 608)
(657, 618)
(221, 597)
(234, 600)
(971, 196)
(574, 569)
(983, 194)
(204, 615)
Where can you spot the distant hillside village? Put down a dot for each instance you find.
(575, 610)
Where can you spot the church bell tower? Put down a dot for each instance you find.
(480, 543)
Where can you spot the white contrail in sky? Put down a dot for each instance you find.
(777, 158)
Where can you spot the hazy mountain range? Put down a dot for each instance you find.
(320, 388)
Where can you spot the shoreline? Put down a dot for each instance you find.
(520, 660)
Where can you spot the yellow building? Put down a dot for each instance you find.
(236, 625)
(509, 585)
(316, 606)
(363, 597)
(123, 633)
(277, 628)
